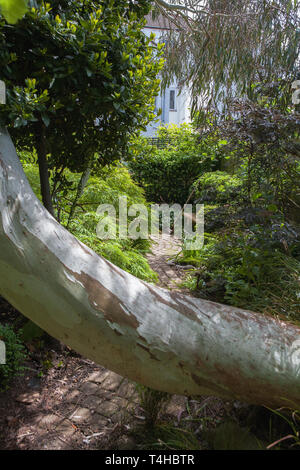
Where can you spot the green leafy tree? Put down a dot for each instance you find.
(81, 78)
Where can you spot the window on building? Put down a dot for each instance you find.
(172, 100)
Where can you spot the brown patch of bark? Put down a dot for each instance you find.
(105, 301)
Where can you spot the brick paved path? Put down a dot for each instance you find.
(78, 404)
(161, 261)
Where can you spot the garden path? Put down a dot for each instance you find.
(76, 404)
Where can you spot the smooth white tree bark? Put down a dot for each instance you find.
(166, 340)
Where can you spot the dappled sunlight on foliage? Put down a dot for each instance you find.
(113, 183)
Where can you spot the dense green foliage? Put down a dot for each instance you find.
(15, 356)
(81, 78)
(251, 256)
(168, 173)
(217, 186)
(95, 63)
(113, 182)
(249, 268)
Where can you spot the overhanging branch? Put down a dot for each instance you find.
(165, 340)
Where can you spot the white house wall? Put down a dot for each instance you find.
(181, 114)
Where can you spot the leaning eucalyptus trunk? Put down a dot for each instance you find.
(165, 340)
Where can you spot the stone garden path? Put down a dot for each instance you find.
(161, 260)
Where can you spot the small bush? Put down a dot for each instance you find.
(218, 187)
(15, 355)
(248, 269)
(167, 174)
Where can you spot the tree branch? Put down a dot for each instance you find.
(165, 340)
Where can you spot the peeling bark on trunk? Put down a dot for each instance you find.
(166, 340)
